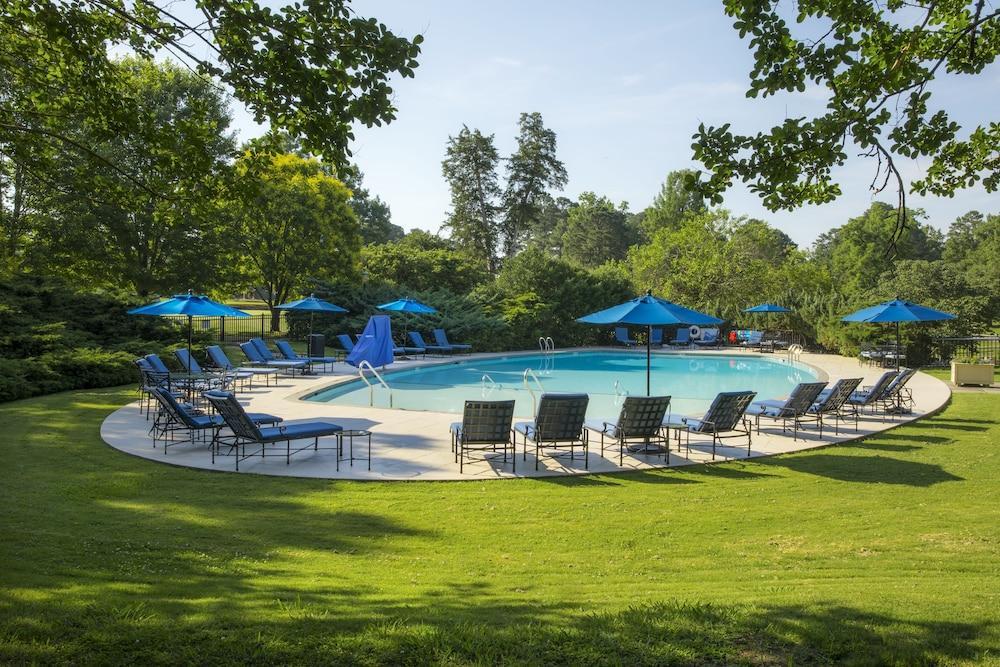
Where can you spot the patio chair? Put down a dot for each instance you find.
(220, 360)
(407, 351)
(345, 342)
(708, 337)
(246, 432)
(792, 409)
(638, 427)
(148, 379)
(753, 338)
(291, 355)
(869, 396)
(177, 381)
(484, 426)
(897, 398)
(833, 402)
(418, 341)
(174, 416)
(441, 338)
(191, 365)
(683, 337)
(558, 425)
(253, 355)
(622, 337)
(656, 337)
(725, 418)
(269, 357)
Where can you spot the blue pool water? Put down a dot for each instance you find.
(692, 380)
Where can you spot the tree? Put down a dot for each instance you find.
(373, 214)
(548, 230)
(311, 68)
(423, 269)
(676, 199)
(470, 169)
(597, 231)
(531, 170)
(120, 233)
(877, 64)
(296, 225)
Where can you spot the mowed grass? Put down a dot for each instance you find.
(884, 551)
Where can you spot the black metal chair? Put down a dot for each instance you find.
(484, 426)
(869, 396)
(897, 398)
(793, 409)
(173, 417)
(246, 432)
(725, 418)
(638, 427)
(558, 425)
(832, 402)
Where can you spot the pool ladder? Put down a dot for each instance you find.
(546, 344)
(371, 387)
(620, 392)
(530, 374)
(489, 385)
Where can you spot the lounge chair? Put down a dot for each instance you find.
(418, 341)
(441, 338)
(220, 360)
(708, 337)
(190, 385)
(897, 398)
(725, 418)
(683, 337)
(622, 337)
(832, 402)
(148, 379)
(265, 352)
(246, 432)
(656, 337)
(191, 365)
(558, 425)
(869, 396)
(291, 355)
(753, 339)
(345, 342)
(253, 355)
(407, 351)
(175, 416)
(484, 426)
(639, 422)
(792, 409)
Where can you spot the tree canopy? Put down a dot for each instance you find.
(470, 167)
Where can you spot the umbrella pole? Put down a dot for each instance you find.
(190, 334)
(649, 334)
(897, 347)
(311, 315)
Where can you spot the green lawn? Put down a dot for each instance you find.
(885, 551)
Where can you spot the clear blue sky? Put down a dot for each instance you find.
(624, 85)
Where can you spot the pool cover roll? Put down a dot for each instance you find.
(375, 344)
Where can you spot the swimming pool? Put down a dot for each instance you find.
(692, 380)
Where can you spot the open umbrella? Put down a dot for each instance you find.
(313, 306)
(407, 305)
(897, 311)
(767, 308)
(189, 304)
(648, 311)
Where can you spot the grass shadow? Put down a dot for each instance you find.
(865, 469)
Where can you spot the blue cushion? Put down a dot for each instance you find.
(310, 429)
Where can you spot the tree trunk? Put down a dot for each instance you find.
(275, 320)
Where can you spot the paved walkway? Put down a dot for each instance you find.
(409, 445)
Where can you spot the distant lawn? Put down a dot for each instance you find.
(945, 374)
(886, 551)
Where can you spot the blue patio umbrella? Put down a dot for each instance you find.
(191, 305)
(648, 311)
(897, 311)
(767, 308)
(407, 305)
(313, 306)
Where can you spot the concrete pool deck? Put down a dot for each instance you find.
(416, 445)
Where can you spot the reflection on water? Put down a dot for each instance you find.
(691, 380)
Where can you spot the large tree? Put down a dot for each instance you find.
(676, 199)
(877, 63)
(296, 225)
(470, 167)
(597, 231)
(531, 171)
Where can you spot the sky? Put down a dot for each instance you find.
(624, 85)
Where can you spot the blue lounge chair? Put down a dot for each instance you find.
(683, 337)
(725, 418)
(253, 355)
(345, 342)
(418, 341)
(176, 380)
(708, 337)
(174, 416)
(753, 339)
(191, 365)
(441, 338)
(246, 432)
(656, 337)
(221, 361)
(792, 409)
(291, 355)
(558, 425)
(622, 337)
(148, 379)
(832, 402)
(640, 422)
(484, 426)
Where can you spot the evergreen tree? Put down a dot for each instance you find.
(470, 166)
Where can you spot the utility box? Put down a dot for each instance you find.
(317, 345)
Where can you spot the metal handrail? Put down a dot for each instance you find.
(371, 388)
(794, 352)
(528, 373)
(493, 385)
(619, 391)
(546, 344)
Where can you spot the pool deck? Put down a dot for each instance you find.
(416, 445)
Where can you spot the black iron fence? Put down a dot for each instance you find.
(975, 348)
(236, 329)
